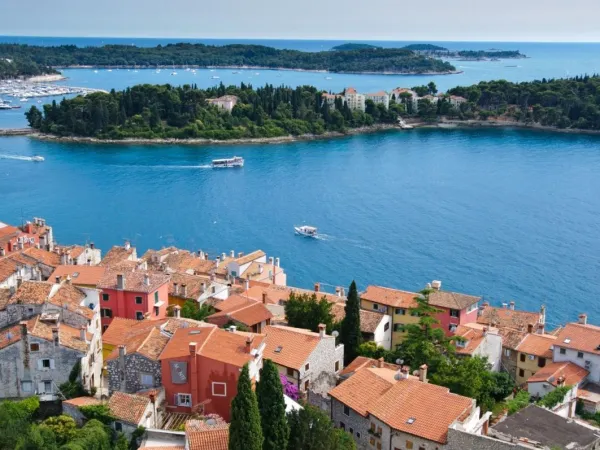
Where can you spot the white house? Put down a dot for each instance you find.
(479, 340)
(226, 102)
(374, 326)
(354, 99)
(379, 98)
(404, 95)
(579, 343)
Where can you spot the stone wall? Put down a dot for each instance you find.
(461, 440)
(135, 365)
(74, 412)
(360, 425)
(321, 373)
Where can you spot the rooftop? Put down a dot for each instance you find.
(117, 254)
(243, 310)
(369, 320)
(209, 434)
(576, 336)
(134, 281)
(128, 407)
(473, 337)
(361, 362)
(572, 373)
(288, 346)
(80, 275)
(452, 300)
(507, 318)
(390, 297)
(280, 294)
(33, 292)
(537, 344)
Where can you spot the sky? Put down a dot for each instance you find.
(404, 20)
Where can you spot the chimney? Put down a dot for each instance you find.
(530, 328)
(2, 252)
(232, 254)
(423, 373)
(247, 285)
(175, 288)
(380, 363)
(403, 373)
(127, 245)
(83, 334)
(260, 268)
(146, 279)
(92, 245)
(68, 279)
(203, 287)
(436, 285)
(540, 328)
(264, 298)
(193, 347)
(217, 262)
(57, 279)
(55, 336)
(120, 281)
(486, 303)
(177, 311)
(223, 256)
(232, 329)
(512, 305)
(240, 254)
(184, 290)
(317, 287)
(277, 262)
(23, 325)
(338, 292)
(322, 329)
(583, 319)
(249, 340)
(504, 305)
(152, 398)
(485, 330)
(560, 381)
(543, 314)
(206, 256)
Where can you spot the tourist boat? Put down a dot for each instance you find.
(306, 231)
(37, 158)
(236, 161)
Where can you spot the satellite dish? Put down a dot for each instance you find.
(211, 422)
(335, 334)
(399, 361)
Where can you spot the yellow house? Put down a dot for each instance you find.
(184, 287)
(394, 303)
(533, 353)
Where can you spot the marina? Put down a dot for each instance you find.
(22, 91)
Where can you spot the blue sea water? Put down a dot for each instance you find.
(501, 213)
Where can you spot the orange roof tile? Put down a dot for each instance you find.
(452, 300)
(82, 401)
(116, 255)
(377, 94)
(134, 281)
(572, 373)
(280, 294)
(70, 297)
(576, 336)
(361, 362)
(537, 344)
(32, 292)
(45, 257)
(120, 329)
(204, 436)
(80, 275)
(369, 320)
(390, 297)
(362, 389)
(128, 407)
(241, 309)
(9, 336)
(193, 285)
(5, 295)
(511, 338)
(149, 342)
(473, 337)
(288, 346)
(8, 267)
(172, 447)
(250, 257)
(506, 317)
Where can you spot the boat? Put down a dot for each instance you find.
(236, 161)
(403, 125)
(214, 77)
(24, 99)
(328, 78)
(307, 231)
(37, 158)
(234, 72)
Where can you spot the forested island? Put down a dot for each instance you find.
(362, 60)
(11, 68)
(165, 111)
(442, 52)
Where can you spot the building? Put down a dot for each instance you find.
(456, 100)
(13, 272)
(509, 317)
(478, 340)
(43, 260)
(200, 368)
(118, 254)
(34, 234)
(395, 304)
(253, 266)
(330, 99)
(361, 362)
(456, 309)
(209, 434)
(534, 352)
(250, 313)
(172, 259)
(133, 295)
(271, 294)
(80, 276)
(579, 343)
(309, 360)
(79, 255)
(226, 102)
(354, 99)
(374, 326)
(407, 97)
(383, 409)
(184, 287)
(510, 356)
(379, 98)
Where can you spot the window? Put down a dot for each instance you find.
(351, 430)
(26, 386)
(379, 431)
(34, 347)
(46, 363)
(290, 372)
(386, 326)
(337, 366)
(156, 310)
(409, 444)
(156, 297)
(306, 385)
(106, 312)
(506, 352)
(184, 399)
(358, 434)
(372, 427)
(421, 447)
(375, 307)
(118, 426)
(454, 313)
(372, 441)
(105, 297)
(306, 367)
(580, 355)
(398, 327)
(541, 362)
(461, 343)
(147, 379)
(452, 328)
(343, 426)
(378, 445)
(521, 373)
(138, 300)
(563, 351)
(346, 411)
(522, 357)
(219, 389)
(400, 311)
(47, 387)
(139, 315)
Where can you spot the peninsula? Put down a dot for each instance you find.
(22, 67)
(442, 52)
(361, 60)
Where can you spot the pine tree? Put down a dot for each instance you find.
(350, 331)
(272, 408)
(244, 431)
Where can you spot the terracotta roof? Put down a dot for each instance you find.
(193, 285)
(5, 295)
(45, 257)
(134, 281)
(390, 297)
(537, 344)
(82, 401)
(128, 407)
(8, 267)
(116, 255)
(506, 317)
(473, 335)
(250, 257)
(120, 329)
(33, 292)
(362, 389)
(511, 338)
(149, 342)
(290, 347)
(452, 300)
(585, 338)
(276, 294)
(10, 335)
(369, 320)
(377, 94)
(253, 272)
(350, 90)
(551, 372)
(172, 447)
(70, 297)
(177, 260)
(202, 436)
(80, 275)
(241, 309)
(175, 323)
(68, 336)
(361, 362)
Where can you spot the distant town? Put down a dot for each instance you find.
(182, 349)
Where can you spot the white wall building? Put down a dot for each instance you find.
(379, 98)
(579, 343)
(354, 99)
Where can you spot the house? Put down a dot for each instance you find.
(80, 276)
(374, 326)
(118, 254)
(226, 102)
(184, 287)
(253, 266)
(252, 314)
(556, 375)
(456, 309)
(360, 362)
(44, 260)
(579, 343)
(510, 356)
(172, 259)
(406, 97)
(13, 272)
(354, 99)
(383, 408)
(209, 434)
(509, 317)
(456, 100)
(479, 340)
(30, 235)
(395, 304)
(79, 255)
(133, 295)
(330, 99)
(200, 368)
(534, 352)
(309, 360)
(379, 98)
(588, 395)
(279, 295)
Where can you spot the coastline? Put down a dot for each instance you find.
(46, 78)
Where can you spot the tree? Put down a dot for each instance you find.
(306, 311)
(271, 405)
(351, 335)
(63, 427)
(245, 432)
(191, 310)
(92, 436)
(311, 429)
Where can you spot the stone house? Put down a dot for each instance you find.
(79, 255)
(45, 261)
(184, 287)
(119, 254)
(455, 308)
(309, 360)
(479, 340)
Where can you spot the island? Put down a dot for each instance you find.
(425, 48)
(225, 113)
(362, 60)
(353, 46)
(14, 68)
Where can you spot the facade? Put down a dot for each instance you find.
(480, 341)
(34, 234)
(226, 102)
(13, 272)
(78, 255)
(379, 98)
(456, 309)
(406, 97)
(197, 288)
(509, 317)
(354, 99)
(456, 100)
(374, 326)
(533, 353)
(252, 314)
(579, 343)
(133, 295)
(330, 99)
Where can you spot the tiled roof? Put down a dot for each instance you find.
(390, 297)
(377, 94)
(45, 257)
(116, 255)
(585, 338)
(473, 337)
(250, 257)
(80, 275)
(5, 295)
(361, 362)
(537, 344)
(193, 284)
(506, 317)
(511, 338)
(128, 407)
(452, 300)
(120, 329)
(7, 268)
(203, 436)
(177, 260)
(241, 309)
(134, 281)
(149, 342)
(276, 294)
(572, 373)
(369, 320)
(33, 292)
(175, 323)
(68, 336)
(10, 335)
(350, 90)
(289, 347)
(82, 401)
(70, 297)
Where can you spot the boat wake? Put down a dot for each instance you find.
(17, 157)
(163, 166)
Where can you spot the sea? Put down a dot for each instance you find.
(504, 214)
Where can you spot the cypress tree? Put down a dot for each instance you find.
(350, 331)
(271, 405)
(244, 431)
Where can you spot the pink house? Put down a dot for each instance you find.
(456, 309)
(133, 295)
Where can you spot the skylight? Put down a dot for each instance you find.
(567, 340)
(278, 349)
(411, 420)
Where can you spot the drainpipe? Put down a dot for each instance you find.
(194, 373)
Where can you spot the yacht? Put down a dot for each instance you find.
(24, 99)
(236, 161)
(37, 158)
(307, 231)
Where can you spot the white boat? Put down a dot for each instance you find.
(37, 158)
(24, 99)
(236, 161)
(214, 77)
(328, 78)
(306, 230)
(173, 73)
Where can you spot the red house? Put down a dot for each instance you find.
(133, 295)
(456, 309)
(30, 235)
(200, 368)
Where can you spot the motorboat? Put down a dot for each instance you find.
(37, 158)
(214, 77)
(236, 161)
(307, 231)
